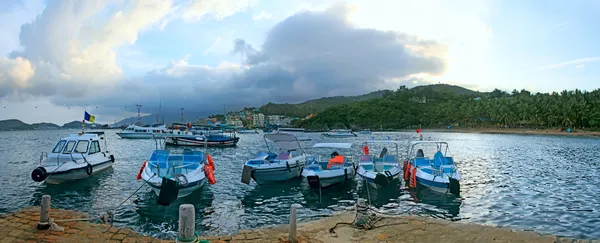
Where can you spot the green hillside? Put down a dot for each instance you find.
(14, 125)
(317, 105)
(435, 106)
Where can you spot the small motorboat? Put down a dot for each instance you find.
(175, 175)
(438, 173)
(269, 167)
(365, 132)
(244, 131)
(339, 133)
(184, 137)
(75, 157)
(321, 173)
(379, 171)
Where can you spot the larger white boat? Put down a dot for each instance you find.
(137, 132)
(269, 167)
(75, 157)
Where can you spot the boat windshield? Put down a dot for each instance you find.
(59, 146)
(69, 147)
(82, 146)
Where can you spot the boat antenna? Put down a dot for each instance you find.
(139, 107)
(181, 114)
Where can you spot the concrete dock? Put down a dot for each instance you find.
(21, 226)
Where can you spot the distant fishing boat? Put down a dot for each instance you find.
(325, 172)
(290, 130)
(339, 133)
(175, 175)
(379, 171)
(438, 173)
(75, 157)
(184, 137)
(269, 167)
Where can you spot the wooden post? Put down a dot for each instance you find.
(361, 212)
(187, 223)
(292, 235)
(44, 213)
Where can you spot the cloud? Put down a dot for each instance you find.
(580, 66)
(195, 10)
(262, 15)
(308, 55)
(577, 62)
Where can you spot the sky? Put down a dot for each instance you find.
(59, 58)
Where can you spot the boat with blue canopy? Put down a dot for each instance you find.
(336, 168)
(438, 172)
(379, 171)
(173, 175)
(276, 165)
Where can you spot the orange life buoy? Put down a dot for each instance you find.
(406, 170)
(210, 175)
(211, 163)
(413, 177)
(139, 176)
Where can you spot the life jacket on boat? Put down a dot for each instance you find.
(339, 159)
(413, 178)
(406, 170)
(139, 175)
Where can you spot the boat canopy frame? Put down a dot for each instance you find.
(411, 151)
(285, 141)
(396, 143)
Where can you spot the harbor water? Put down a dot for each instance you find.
(548, 184)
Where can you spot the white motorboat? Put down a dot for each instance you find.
(269, 167)
(339, 133)
(382, 170)
(137, 132)
(187, 171)
(327, 172)
(438, 173)
(75, 157)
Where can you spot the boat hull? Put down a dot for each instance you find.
(276, 172)
(193, 141)
(140, 135)
(327, 178)
(339, 135)
(369, 176)
(76, 173)
(183, 191)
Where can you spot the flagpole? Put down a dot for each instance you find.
(82, 124)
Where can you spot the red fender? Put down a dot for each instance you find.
(211, 163)
(210, 175)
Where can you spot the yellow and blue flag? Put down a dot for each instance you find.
(89, 117)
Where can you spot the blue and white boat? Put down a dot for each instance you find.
(244, 131)
(190, 170)
(336, 168)
(339, 133)
(438, 173)
(365, 132)
(382, 170)
(275, 166)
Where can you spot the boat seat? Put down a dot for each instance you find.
(379, 167)
(366, 158)
(422, 162)
(158, 158)
(438, 160)
(367, 167)
(257, 161)
(389, 158)
(284, 156)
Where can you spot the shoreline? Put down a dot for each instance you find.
(20, 226)
(519, 131)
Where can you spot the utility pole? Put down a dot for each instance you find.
(139, 107)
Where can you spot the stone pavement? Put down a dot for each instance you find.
(20, 226)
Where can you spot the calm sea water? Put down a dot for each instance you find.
(541, 183)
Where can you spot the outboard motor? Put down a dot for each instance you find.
(454, 186)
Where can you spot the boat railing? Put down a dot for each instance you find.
(43, 156)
